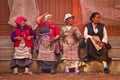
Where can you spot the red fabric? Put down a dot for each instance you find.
(25, 34)
(40, 24)
(54, 29)
(18, 19)
(57, 30)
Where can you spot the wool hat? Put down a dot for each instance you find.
(19, 18)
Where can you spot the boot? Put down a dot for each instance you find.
(15, 70)
(106, 71)
(77, 72)
(26, 71)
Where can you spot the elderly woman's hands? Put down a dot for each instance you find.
(40, 17)
(30, 37)
(45, 13)
(18, 38)
(96, 39)
(101, 44)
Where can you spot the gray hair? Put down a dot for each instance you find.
(46, 16)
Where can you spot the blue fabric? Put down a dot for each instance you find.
(105, 65)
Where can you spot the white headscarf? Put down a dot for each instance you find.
(46, 16)
(68, 15)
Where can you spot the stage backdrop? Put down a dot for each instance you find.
(27, 8)
(109, 10)
(81, 9)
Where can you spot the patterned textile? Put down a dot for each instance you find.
(96, 44)
(20, 62)
(46, 49)
(22, 51)
(70, 51)
(72, 64)
(70, 42)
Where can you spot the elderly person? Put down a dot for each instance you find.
(48, 44)
(22, 36)
(70, 37)
(96, 39)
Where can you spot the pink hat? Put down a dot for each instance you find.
(19, 18)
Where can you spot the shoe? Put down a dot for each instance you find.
(67, 72)
(27, 71)
(52, 71)
(77, 72)
(15, 71)
(106, 70)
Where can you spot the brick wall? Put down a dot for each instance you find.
(77, 12)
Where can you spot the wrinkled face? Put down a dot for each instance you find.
(22, 23)
(50, 20)
(70, 21)
(96, 19)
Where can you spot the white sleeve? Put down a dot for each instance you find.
(86, 34)
(105, 36)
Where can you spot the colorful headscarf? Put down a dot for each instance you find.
(19, 18)
(46, 16)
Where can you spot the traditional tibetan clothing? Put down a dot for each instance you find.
(22, 48)
(70, 42)
(46, 48)
(93, 50)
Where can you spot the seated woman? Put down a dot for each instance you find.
(22, 36)
(96, 39)
(48, 45)
(70, 41)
